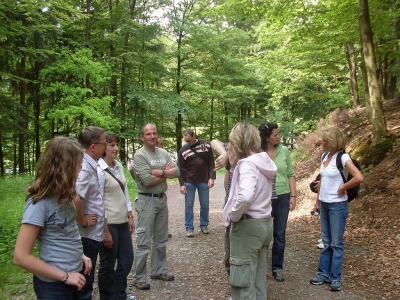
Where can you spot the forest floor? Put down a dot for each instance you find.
(372, 238)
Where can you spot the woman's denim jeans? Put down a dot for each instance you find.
(54, 290)
(280, 213)
(333, 222)
(204, 199)
(112, 278)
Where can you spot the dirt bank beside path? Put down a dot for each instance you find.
(198, 268)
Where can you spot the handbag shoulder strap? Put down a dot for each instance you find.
(196, 153)
(119, 181)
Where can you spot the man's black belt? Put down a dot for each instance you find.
(152, 195)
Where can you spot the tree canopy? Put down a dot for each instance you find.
(119, 64)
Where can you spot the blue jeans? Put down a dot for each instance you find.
(54, 290)
(113, 282)
(204, 198)
(333, 222)
(280, 213)
(91, 250)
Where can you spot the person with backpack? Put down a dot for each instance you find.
(333, 206)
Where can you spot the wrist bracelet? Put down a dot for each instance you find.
(292, 196)
(163, 173)
(87, 223)
(66, 277)
(130, 217)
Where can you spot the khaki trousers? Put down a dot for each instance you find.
(151, 234)
(249, 241)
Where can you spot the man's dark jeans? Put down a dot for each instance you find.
(91, 250)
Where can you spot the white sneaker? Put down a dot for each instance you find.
(320, 246)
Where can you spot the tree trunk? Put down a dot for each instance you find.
(367, 101)
(178, 123)
(21, 67)
(351, 60)
(383, 77)
(124, 67)
(377, 116)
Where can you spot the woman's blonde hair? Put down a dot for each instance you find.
(57, 170)
(335, 138)
(243, 139)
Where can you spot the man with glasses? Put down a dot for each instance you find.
(94, 143)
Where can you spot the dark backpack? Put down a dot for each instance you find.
(352, 192)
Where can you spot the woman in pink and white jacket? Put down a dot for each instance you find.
(248, 210)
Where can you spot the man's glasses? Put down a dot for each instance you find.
(104, 144)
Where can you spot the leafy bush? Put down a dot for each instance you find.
(300, 154)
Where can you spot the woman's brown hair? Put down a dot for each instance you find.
(57, 170)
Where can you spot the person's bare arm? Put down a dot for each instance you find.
(293, 193)
(23, 258)
(357, 178)
(218, 147)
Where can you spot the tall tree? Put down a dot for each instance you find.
(351, 61)
(375, 96)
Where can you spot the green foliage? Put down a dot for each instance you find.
(278, 61)
(12, 278)
(300, 154)
(131, 186)
(65, 82)
(357, 120)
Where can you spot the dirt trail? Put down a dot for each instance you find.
(198, 268)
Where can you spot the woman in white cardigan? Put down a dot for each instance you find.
(119, 226)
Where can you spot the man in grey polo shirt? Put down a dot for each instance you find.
(150, 169)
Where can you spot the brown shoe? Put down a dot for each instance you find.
(163, 277)
(142, 285)
(205, 230)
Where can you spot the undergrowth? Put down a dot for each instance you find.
(13, 191)
(371, 155)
